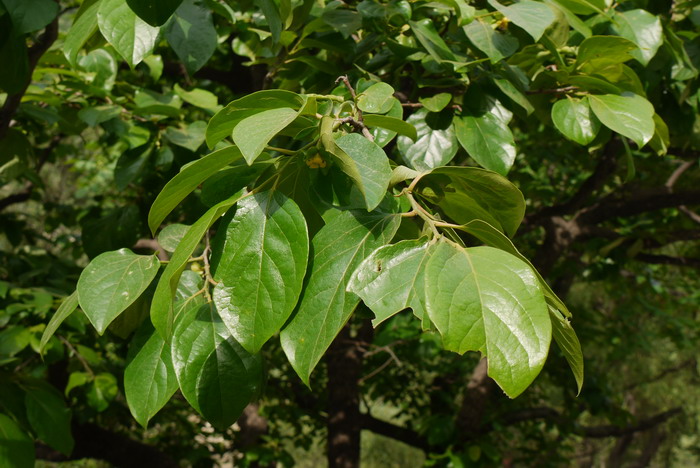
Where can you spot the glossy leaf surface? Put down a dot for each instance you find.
(433, 148)
(488, 140)
(132, 37)
(629, 115)
(154, 12)
(575, 120)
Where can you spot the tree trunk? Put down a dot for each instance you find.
(344, 419)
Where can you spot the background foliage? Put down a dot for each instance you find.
(589, 108)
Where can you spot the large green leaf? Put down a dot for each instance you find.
(188, 179)
(575, 120)
(391, 279)
(16, 447)
(642, 28)
(325, 307)
(598, 52)
(533, 17)
(192, 35)
(253, 133)
(162, 311)
(216, 375)
(391, 123)
(367, 165)
(66, 308)
(30, 15)
(483, 299)
(488, 140)
(628, 114)
(221, 125)
(259, 259)
(132, 38)
(432, 41)
(496, 45)
(149, 377)
(433, 148)
(154, 12)
(111, 282)
(565, 337)
(468, 193)
(49, 416)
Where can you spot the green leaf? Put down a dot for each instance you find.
(186, 181)
(391, 123)
(488, 140)
(30, 15)
(642, 28)
(367, 165)
(49, 417)
(162, 312)
(339, 247)
(344, 21)
(468, 193)
(132, 38)
(131, 165)
(259, 260)
(111, 282)
(75, 380)
(102, 391)
(216, 375)
(13, 340)
(66, 308)
(383, 136)
(533, 17)
(483, 299)
(190, 137)
(16, 447)
(271, 10)
(433, 148)
(430, 39)
(13, 50)
(149, 377)
(599, 52)
(222, 124)
(94, 116)
(376, 99)
(436, 103)
(492, 237)
(154, 12)
(565, 337)
(170, 236)
(391, 279)
(192, 35)
(253, 133)
(198, 97)
(575, 120)
(628, 114)
(496, 45)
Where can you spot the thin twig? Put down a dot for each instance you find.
(77, 355)
(564, 90)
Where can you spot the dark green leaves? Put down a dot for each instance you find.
(154, 12)
(130, 35)
(338, 248)
(149, 377)
(367, 164)
(111, 282)
(16, 447)
(533, 17)
(483, 299)
(83, 28)
(49, 417)
(436, 145)
(66, 308)
(629, 115)
(431, 40)
(565, 337)
(254, 132)
(575, 120)
(186, 181)
(598, 52)
(216, 375)
(393, 124)
(496, 45)
(30, 15)
(191, 34)
(642, 28)
(259, 260)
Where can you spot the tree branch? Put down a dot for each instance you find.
(668, 260)
(638, 203)
(402, 434)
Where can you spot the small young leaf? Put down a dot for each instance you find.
(629, 115)
(339, 247)
(216, 375)
(436, 103)
(149, 377)
(111, 282)
(484, 299)
(259, 259)
(575, 120)
(367, 164)
(66, 308)
(376, 99)
(132, 38)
